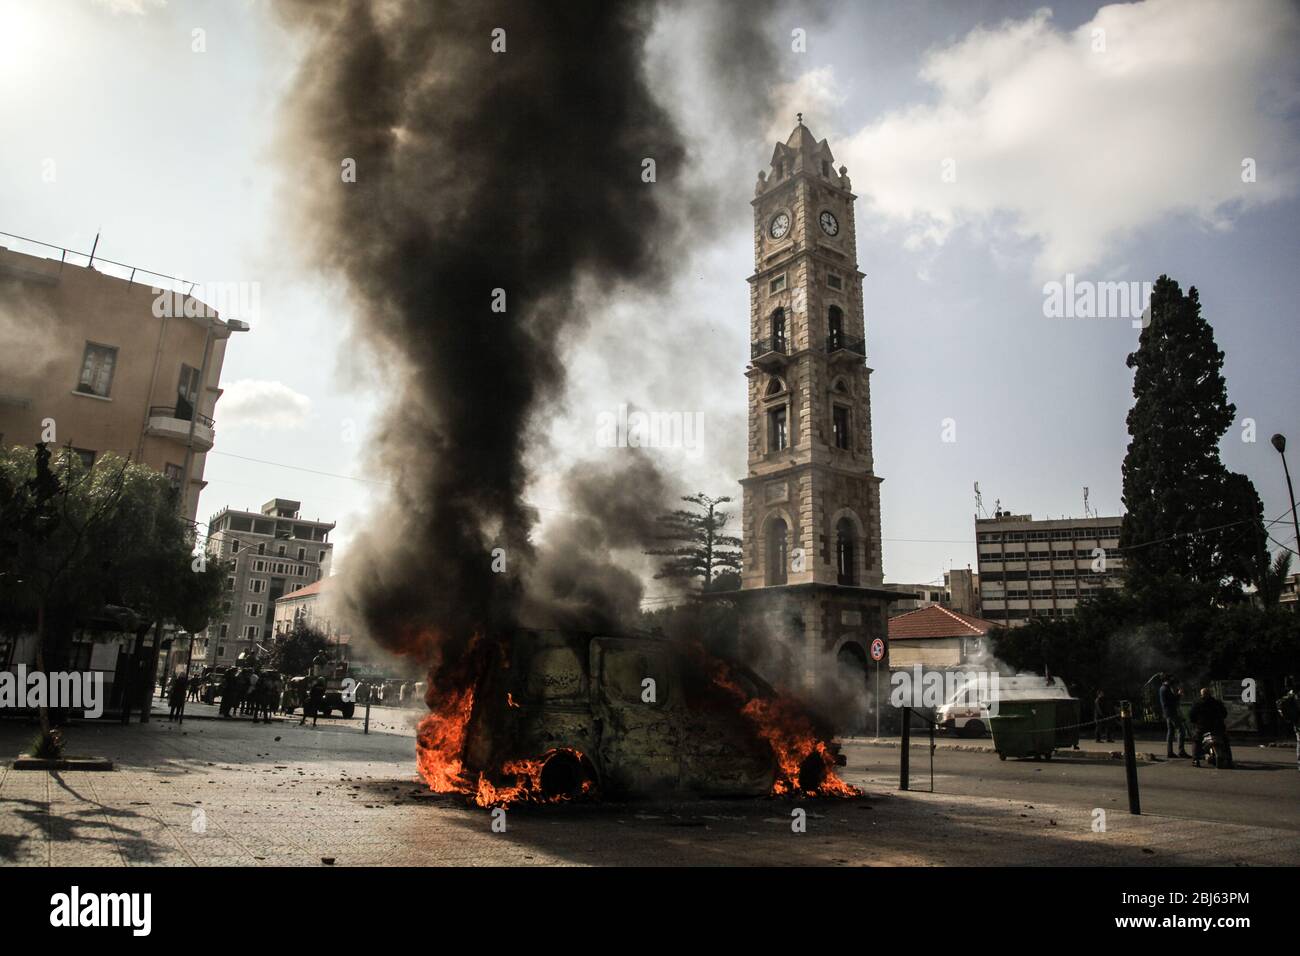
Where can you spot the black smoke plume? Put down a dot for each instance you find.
(478, 171)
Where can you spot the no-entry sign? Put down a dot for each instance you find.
(877, 650)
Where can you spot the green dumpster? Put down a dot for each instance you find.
(1066, 721)
(1024, 728)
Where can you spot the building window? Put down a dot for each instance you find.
(302, 554)
(777, 433)
(778, 330)
(251, 632)
(833, 281)
(777, 551)
(187, 392)
(845, 552)
(257, 585)
(261, 548)
(840, 426)
(230, 584)
(224, 628)
(86, 457)
(221, 650)
(97, 370)
(174, 474)
(826, 169)
(234, 545)
(777, 283)
(280, 550)
(834, 328)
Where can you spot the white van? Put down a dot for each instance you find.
(966, 712)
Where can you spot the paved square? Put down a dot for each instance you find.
(229, 793)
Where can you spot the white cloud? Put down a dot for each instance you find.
(815, 94)
(261, 404)
(133, 7)
(1076, 149)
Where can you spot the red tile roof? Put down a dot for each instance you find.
(308, 591)
(936, 621)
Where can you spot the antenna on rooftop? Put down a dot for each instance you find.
(979, 502)
(1087, 512)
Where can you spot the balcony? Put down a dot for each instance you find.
(841, 346)
(769, 352)
(174, 423)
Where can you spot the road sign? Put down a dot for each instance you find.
(877, 650)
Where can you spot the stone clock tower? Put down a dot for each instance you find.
(811, 581)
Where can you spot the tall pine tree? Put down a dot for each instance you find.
(703, 548)
(1186, 515)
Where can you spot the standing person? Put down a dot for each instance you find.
(313, 705)
(1288, 708)
(177, 698)
(251, 695)
(1171, 706)
(269, 696)
(1101, 713)
(228, 693)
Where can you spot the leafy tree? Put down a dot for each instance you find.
(1273, 582)
(293, 653)
(78, 540)
(703, 550)
(1185, 513)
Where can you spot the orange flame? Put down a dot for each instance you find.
(440, 743)
(785, 725)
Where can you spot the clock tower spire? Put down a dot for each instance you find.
(811, 581)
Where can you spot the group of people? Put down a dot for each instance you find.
(1209, 717)
(1209, 722)
(248, 692)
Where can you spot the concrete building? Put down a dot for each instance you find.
(916, 596)
(963, 591)
(275, 551)
(312, 605)
(937, 637)
(811, 583)
(1290, 598)
(1043, 568)
(99, 358)
(959, 592)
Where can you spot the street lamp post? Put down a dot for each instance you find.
(1279, 442)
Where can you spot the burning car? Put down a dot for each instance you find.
(550, 715)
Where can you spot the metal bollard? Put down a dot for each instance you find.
(366, 729)
(1130, 757)
(905, 750)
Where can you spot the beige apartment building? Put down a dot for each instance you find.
(1043, 568)
(104, 357)
(313, 605)
(273, 552)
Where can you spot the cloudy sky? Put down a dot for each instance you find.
(995, 147)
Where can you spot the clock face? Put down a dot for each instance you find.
(830, 225)
(780, 225)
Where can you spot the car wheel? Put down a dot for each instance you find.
(349, 710)
(973, 728)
